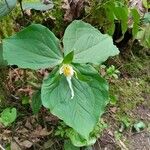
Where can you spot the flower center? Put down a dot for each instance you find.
(67, 70)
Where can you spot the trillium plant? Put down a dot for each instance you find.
(74, 91)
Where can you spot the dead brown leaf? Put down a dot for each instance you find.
(139, 5)
(14, 146)
(22, 131)
(113, 109)
(26, 144)
(28, 124)
(6, 135)
(40, 132)
(73, 9)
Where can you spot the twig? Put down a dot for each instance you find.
(16, 142)
(1, 147)
(123, 145)
(23, 14)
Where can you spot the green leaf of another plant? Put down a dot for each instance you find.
(121, 14)
(38, 6)
(140, 125)
(68, 146)
(146, 18)
(78, 141)
(2, 61)
(8, 116)
(6, 6)
(144, 36)
(113, 99)
(88, 44)
(145, 3)
(83, 111)
(25, 100)
(35, 47)
(136, 19)
(36, 102)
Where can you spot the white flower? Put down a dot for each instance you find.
(68, 72)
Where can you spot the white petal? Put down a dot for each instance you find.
(61, 70)
(70, 86)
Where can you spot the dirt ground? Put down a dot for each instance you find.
(133, 92)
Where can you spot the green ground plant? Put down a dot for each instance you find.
(108, 13)
(8, 116)
(73, 91)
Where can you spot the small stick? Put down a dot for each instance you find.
(23, 14)
(1, 147)
(20, 2)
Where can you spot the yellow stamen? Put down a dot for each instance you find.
(67, 70)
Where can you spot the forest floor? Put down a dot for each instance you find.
(132, 92)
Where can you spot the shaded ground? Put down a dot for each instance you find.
(140, 141)
(132, 91)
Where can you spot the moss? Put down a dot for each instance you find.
(132, 91)
(128, 92)
(138, 67)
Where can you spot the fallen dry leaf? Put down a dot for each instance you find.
(28, 124)
(113, 109)
(73, 9)
(5, 135)
(39, 132)
(139, 5)
(26, 144)
(22, 131)
(14, 146)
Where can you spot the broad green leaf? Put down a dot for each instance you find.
(2, 61)
(144, 36)
(136, 20)
(88, 44)
(78, 140)
(111, 30)
(121, 14)
(36, 102)
(6, 6)
(83, 111)
(68, 59)
(38, 6)
(146, 18)
(145, 3)
(68, 146)
(109, 10)
(35, 47)
(8, 116)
